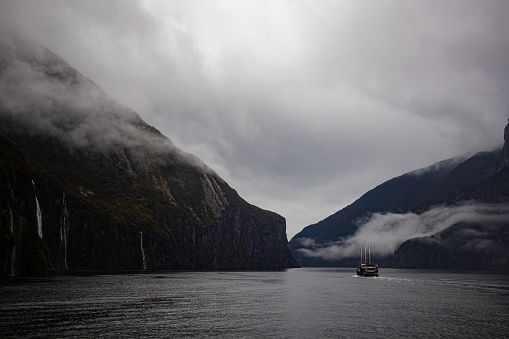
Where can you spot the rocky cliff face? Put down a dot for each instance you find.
(504, 156)
(88, 185)
(20, 240)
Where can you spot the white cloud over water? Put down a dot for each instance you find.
(386, 232)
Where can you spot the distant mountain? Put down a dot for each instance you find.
(452, 214)
(87, 185)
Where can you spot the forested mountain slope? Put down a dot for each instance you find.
(464, 194)
(86, 184)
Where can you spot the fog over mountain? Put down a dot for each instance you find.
(387, 231)
(36, 87)
(302, 106)
(88, 185)
(453, 214)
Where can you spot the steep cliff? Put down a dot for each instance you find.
(95, 187)
(20, 243)
(504, 156)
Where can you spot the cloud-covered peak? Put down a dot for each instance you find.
(40, 93)
(43, 93)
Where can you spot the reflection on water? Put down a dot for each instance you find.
(309, 302)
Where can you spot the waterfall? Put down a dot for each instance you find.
(13, 261)
(64, 229)
(62, 220)
(13, 252)
(144, 257)
(38, 213)
(39, 218)
(12, 220)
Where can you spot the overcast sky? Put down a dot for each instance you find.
(301, 106)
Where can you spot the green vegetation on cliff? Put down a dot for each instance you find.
(113, 192)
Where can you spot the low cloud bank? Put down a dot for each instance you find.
(42, 94)
(386, 232)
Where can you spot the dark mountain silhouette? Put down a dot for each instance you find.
(87, 185)
(480, 180)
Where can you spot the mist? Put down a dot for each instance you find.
(385, 232)
(42, 94)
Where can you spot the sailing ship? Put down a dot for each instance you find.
(366, 268)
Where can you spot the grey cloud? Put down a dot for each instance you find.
(385, 232)
(51, 97)
(43, 94)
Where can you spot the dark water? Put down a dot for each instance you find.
(305, 303)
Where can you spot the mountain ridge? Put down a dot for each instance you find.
(482, 178)
(108, 190)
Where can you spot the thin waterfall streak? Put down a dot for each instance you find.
(39, 218)
(12, 220)
(13, 261)
(64, 229)
(13, 251)
(144, 257)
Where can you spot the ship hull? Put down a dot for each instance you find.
(367, 270)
